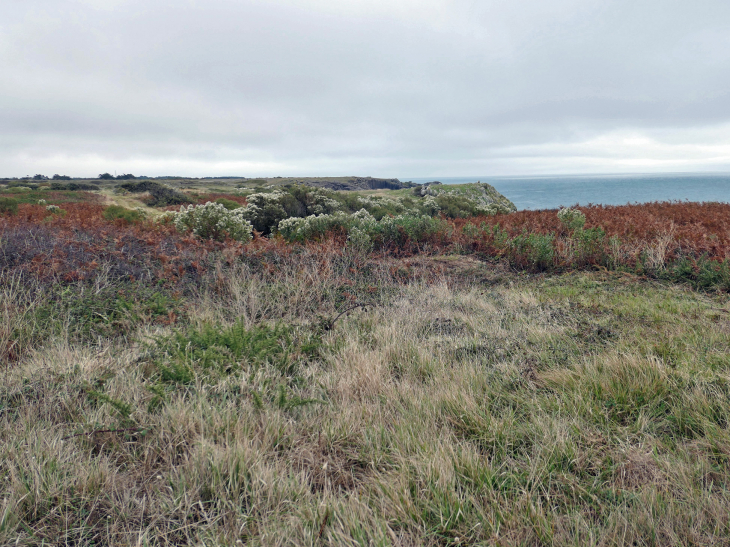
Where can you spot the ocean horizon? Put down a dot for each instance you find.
(553, 191)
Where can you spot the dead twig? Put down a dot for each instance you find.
(329, 324)
(325, 520)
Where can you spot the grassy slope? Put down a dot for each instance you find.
(469, 406)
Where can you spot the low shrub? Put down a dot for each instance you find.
(115, 212)
(535, 249)
(228, 203)
(8, 206)
(74, 186)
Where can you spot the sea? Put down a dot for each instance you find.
(554, 191)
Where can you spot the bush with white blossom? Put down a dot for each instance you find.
(212, 221)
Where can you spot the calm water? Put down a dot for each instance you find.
(550, 192)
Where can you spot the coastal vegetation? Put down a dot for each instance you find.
(296, 365)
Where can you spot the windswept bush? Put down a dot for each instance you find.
(265, 210)
(162, 196)
(212, 221)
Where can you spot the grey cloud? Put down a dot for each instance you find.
(367, 87)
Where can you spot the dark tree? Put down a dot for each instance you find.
(106, 176)
(61, 177)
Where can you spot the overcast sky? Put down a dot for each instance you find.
(391, 88)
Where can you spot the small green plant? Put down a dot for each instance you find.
(537, 249)
(572, 219)
(225, 350)
(8, 206)
(115, 212)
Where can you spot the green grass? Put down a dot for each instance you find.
(116, 212)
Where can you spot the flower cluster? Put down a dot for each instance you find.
(53, 209)
(212, 221)
(41, 202)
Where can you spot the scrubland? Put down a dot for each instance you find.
(510, 379)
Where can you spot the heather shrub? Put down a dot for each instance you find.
(212, 221)
(115, 212)
(8, 206)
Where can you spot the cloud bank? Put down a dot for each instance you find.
(385, 88)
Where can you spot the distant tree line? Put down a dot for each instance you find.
(108, 176)
(102, 176)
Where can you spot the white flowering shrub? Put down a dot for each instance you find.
(493, 209)
(42, 202)
(319, 202)
(212, 221)
(382, 206)
(572, 219)
(360, 225)
(431, 206)
(54, 209)
(359, 241)
(264, 210)
(313, 226)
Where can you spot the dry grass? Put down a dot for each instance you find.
(467, 406)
